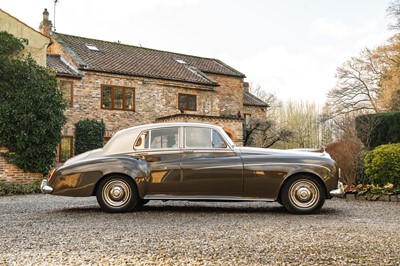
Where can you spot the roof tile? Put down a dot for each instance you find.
(56, 62)
(119, 58)
(250, 99)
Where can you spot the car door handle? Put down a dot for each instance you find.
(189, 151)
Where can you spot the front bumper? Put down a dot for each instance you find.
(339, 192)
(45, 188)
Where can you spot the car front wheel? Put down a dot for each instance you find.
(303, 194)
(117, 194)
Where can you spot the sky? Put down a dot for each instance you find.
(290, 48)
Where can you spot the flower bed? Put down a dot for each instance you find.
(373, 192)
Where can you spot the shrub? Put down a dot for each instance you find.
(346, 153)
(89, 135)
(8, 189)
(377, 129)
(31, 109)
(382, 165)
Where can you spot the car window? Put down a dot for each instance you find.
(143, 141)
(197, 137)
(164, 138)
(217, 140)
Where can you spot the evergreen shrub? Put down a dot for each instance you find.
(89, 135)
(382, 165)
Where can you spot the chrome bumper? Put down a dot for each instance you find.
(46, 189)
(339, 192)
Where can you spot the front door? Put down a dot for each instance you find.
(209, 166)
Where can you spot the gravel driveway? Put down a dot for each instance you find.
(51, 230)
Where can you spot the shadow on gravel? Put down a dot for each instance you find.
(198, 208)
(226, 209)
(213, 209)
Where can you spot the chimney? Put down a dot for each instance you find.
(246, 86)
(46, 25)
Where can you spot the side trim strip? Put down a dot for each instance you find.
(204, 198)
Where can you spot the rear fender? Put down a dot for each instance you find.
(79, 179)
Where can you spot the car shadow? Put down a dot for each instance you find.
(198, 207)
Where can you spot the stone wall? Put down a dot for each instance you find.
(154, 98)
(10, 173)
(229, 94)
(255, 112)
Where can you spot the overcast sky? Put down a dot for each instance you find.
(289, 47)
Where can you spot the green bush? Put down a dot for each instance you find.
(31, 109)
(377, 129)
(8, 189)
(382, 165)
(89, 135)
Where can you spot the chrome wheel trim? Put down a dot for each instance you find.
(304, 194)
(117, 193)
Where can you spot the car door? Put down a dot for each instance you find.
(209, 166)
(160, 148)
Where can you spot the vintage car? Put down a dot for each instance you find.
(192, 161)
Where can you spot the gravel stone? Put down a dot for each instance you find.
(53, 230)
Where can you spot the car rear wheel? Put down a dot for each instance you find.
(117, 194)
(303, 194)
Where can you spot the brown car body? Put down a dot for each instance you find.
(190, 161)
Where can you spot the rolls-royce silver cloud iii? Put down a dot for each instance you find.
(192, 161)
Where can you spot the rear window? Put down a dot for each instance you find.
(163, 138)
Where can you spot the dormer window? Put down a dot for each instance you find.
(180, 61)
(92, 47)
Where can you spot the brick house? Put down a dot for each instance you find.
(127, 85)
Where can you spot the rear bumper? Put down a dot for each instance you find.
(45, 188)
(338, 192)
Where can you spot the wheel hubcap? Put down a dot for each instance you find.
(117, 193)
(304, 193)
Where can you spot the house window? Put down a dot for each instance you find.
(65, 149)
(187, 102)
(66, 88)
(247, 118)
(117, 98)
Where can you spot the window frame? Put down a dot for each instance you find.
(112, 99)
(70, 102)
(186, 106)
(71, 148)
(212, 145)
(247, 118)
(146, 138)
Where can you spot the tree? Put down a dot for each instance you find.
(378, 129)
(303, 120)
(265, 132)
(369, 82)
(347, 149)
(389, 56)
(89, 135)
(393, 12)
(357, 86)
(31, 108)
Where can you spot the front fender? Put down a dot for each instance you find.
(79, 179)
